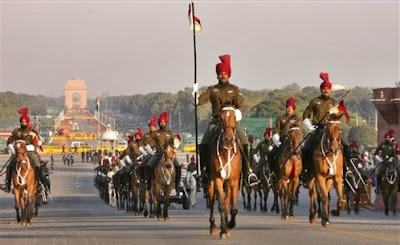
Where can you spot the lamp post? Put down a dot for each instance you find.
(180, 129)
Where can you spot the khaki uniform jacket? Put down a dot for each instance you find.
(163, 135)
(319, 107)
(388, 150)
(150, 138)
(285, 122)
(262, 147)
(21, 134)
(219, 94)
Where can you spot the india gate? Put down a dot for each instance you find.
(75, 95)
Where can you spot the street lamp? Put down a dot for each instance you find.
(180, 129)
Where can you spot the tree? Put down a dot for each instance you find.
(364, 135)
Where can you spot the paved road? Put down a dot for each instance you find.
(78, 216)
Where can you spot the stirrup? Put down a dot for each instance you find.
(254, 177)
(5, 188)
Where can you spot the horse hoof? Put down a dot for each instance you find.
(357, 212)
(23, 223)
(313, 220)
(228, 233)
(166, 218)
(335, 212)
(325, 223)
(231, 224)
(277, 211)
(213, 231)
(291, 217)
(266, 212)
(223, 236)
(254, 209)
(394, 214)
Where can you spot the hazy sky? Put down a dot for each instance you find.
(130, 47)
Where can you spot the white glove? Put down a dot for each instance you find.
(270, 148)
(143, 151)
(308, 125)
(30, 148)
(276, 140)
(195, 88)
(11, 148)
(149, 150)
(256, 158)
(121, 163)
(238, 115)
(378, 158)
(39, 143)
(128, 159)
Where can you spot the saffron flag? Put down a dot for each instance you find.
(343, 109)
(197, 24)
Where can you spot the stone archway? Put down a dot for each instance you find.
(75, 95)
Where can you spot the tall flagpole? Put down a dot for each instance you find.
(195, 82)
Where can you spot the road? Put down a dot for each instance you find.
(76, 215)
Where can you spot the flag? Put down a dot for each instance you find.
(343, 109)
(197, 24)
(97, 104)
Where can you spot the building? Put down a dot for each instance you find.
(75, 95)
(387, 103)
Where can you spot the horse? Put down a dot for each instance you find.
(225, 168)
(354, 185)
(327, 169)
(269, 181)
(290, 166)
(389, 185)
(164, 178)
(134, 186)
(249, 189)
(25, 184)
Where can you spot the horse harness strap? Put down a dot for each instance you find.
(223, 172)
(168, 180)
(20, 178)
(391, 176)
(332, 164)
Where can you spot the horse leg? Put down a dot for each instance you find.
(338, 182)
(260, 194)
(17, 203)
(243, 195)
(266, 190)
(167, 192)
(394, 199)
(255, 201)
(156, 196)
(211, 198)
(312, 195)
(248, 190)
(276, 195)
(234, 206)
(283, 194)
(321, 183)
(31, 200)
(227, 203)
(292, 194)
(22, 202)
(219, 187)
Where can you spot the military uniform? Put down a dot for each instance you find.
(388, 151)
(263, 147)
(218, 95)
(285, 122)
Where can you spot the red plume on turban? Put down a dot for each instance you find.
(354, 144)
(268, 131)
(225, 65)
(291, 102)
(139, 133)
(163, 117)
(24, 114)
(325, 84)
(153, 120)
(251, 139)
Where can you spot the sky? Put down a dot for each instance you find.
(137, 47)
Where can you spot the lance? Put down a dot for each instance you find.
(309, 133)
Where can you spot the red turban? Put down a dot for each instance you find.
(153, 121)
(225, 65)
(24, 114)
(391, 133)
(251, 139)
(291, 102)
(325, 84)
(138, 133)
(354, 144)
(163, 116)
(268, 131)
(192, 159)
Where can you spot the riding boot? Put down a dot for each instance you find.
(378, 184)
(40, 176)
(204, 159)
(7, 186)
(177, 177)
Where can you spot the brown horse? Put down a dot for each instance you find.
(290, 165)
(327, 169)
(354, 185)
(389, 185)
(163, 180)
(225, 168)
(25, 184)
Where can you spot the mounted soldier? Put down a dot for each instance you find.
(384, 153)
(161, 137)
(263, 149)
(218, 95)
(131, 153)
(319, 107)
(354, 150)
(31, 140)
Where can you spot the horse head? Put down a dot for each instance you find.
(21, 151)
(169, 154)
(333, 132)
(294, 138)
(228, 124)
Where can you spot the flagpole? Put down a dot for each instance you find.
(195, 82)
(98, 118)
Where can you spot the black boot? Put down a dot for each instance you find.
(7, 186)
(177, 177)
(204, 159)
(378, 184)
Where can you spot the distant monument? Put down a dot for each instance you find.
(387, 103)
(75, 95)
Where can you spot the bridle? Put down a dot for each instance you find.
(25, 159)
(326, 142)
(168, 165)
